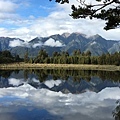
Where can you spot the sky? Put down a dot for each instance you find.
(88, 105)
(27, 19)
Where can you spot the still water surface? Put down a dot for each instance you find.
(58, 95)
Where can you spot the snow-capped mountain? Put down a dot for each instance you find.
(65, 42)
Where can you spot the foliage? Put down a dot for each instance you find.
(7, 57)
(26, 58)
(78, 58)
(42, 57)
(76, 75)
(5, 73)
(116, 112)
(108, 10)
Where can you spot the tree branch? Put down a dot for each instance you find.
(104, 5)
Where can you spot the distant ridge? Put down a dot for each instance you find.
(64, 42)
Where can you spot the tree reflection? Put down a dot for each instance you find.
(76, 75)
(7, 73)
(42, 74)
(116, 112)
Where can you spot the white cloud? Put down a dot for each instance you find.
(89, 104)
(35, 80)
(52, 83)
(7, 10)
(22, 33)
(52, 43)
(37, 44)
(15, 82)
(4, 16)
(7, 6)
(17, 42)
(57, 22)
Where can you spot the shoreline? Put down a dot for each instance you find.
(19, 66)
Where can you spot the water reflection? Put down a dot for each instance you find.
(86, 106)
(58, 95)
(26, 113)
(116, 112)
(66, 81)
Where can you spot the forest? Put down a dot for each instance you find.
(7, 57)
(77, 57)
(75, 75)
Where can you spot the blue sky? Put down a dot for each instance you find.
(37, 8)
(27, 19)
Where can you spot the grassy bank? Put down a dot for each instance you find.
(59, 66)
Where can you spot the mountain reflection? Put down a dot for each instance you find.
(27, 103)
(66, 81)
(26, 113)
(42, 95)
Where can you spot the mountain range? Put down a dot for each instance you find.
(65, 86)
(65, 42)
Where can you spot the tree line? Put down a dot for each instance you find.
(7, 57)
(77, 57)
(75, 75)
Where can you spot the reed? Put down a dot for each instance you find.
(59, 66)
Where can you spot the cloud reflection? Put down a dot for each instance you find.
(89, 105)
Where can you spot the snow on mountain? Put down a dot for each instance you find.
(65, 42)
(66, 35)
(93, 43)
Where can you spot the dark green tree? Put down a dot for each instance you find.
(77, 52)
(88, 53)
(56, 54)
(42, 55)
(64, 54)
(6, 53)
(94, 60)
(102, 59)
(108, 10)
(26, 58)
(7, 57)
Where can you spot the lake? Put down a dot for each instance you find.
(59, 94)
